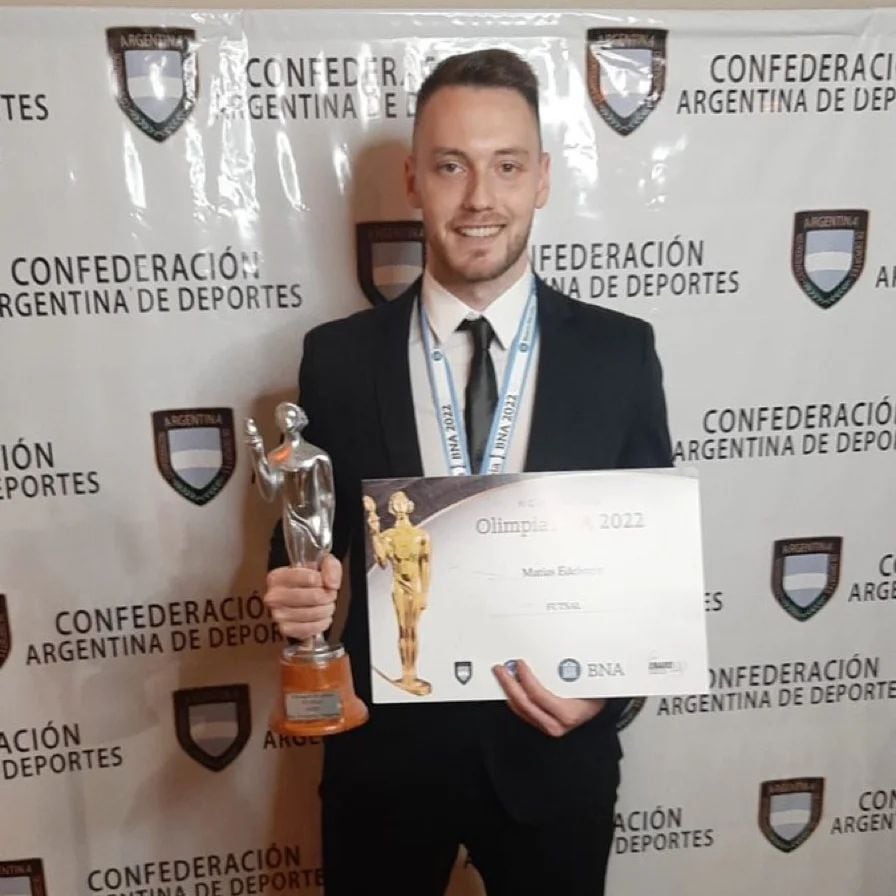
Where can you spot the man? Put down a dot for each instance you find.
(528, 786)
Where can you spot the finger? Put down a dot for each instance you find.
(285, 615)
(523, 705)
(294, 577)
(331, 572)
(299, 597)
(568, 711)
(521, 715)
(537, 692)
(518, 710)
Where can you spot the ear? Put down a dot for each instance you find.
(410, 181)
(544, 180)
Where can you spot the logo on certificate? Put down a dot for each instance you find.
(463, 671)
(829, 253)
(213, 724)
(195, 450)
(658, 666)
(389, 257)
(5, 636)
(156, 75)
(631, 709)
(789, 810)
(511, 667)
(22, 877)
(569, 670)
(805, 574)
(626, 74)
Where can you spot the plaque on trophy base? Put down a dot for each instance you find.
(317, 693)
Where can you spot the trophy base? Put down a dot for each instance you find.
(317, 693)
(413, 685)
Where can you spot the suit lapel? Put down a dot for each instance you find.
(562, 436)
(393, 386)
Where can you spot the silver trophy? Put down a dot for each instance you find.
(318, 693)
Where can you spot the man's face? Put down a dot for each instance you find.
(477, 173)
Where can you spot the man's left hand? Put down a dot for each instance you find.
(535, 704)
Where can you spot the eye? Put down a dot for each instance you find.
(509, 167)
(449, 167)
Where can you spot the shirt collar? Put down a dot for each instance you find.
(446, 312)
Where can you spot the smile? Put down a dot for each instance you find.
(480, 232)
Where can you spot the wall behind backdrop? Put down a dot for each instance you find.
(184, 194)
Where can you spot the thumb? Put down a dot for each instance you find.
(331, 572)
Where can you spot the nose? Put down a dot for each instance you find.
(479, 194)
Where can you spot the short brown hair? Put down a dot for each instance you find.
(482, 68)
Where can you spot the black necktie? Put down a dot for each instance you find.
(482, 390)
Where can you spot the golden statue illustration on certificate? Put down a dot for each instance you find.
(407, 548)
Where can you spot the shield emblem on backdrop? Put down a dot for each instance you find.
(156, 76)
(463, 671)
(22, 877)
(789, 810)
(5, 635)
(626, 70)
(213, 724)
(632, 708)
(195, 450)
(390, 257)
(828, 253)
(805, 574)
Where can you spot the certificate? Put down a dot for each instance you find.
(595, 579)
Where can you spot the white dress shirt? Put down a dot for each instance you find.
(446, 312)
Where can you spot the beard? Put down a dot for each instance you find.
(479, 271)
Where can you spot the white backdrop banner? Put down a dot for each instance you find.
(185, 194)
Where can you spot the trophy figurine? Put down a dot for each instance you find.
(408, 549)
(318, 695)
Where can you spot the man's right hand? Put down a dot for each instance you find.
(302, 601)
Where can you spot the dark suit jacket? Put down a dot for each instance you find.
(598, 405)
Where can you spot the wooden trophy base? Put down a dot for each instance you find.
(317, 693)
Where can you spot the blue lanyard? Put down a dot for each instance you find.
(444, 396)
